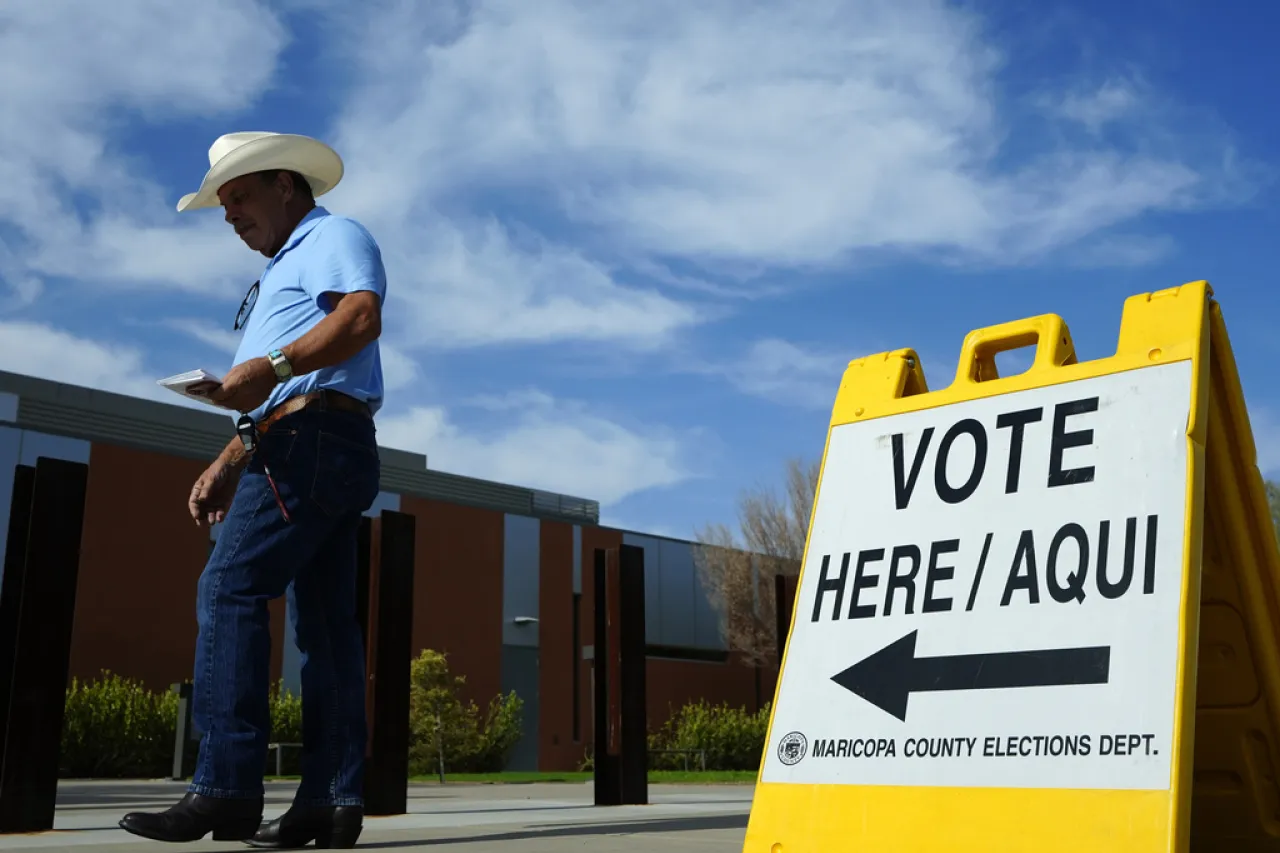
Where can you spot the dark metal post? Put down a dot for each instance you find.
(634, 716)
(390, 593)
(15, 561)
(182, 731)
(38, 692)
(784, 597)
(608, 782)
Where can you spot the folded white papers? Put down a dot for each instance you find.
(182, 383)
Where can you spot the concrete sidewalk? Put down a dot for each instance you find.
(471, 818)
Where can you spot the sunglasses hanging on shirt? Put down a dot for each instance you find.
(246, 307)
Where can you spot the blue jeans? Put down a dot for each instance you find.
(326, 468)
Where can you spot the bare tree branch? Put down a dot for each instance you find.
(738, 574)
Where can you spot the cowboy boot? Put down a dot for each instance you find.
(194, 817)
(330, 827)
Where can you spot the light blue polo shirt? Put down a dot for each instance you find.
(325, 253)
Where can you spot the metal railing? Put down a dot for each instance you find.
(701, 753)
(280, 748)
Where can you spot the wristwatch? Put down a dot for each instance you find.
(280, 364)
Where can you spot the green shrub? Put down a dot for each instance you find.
(115, 727)
(440, 722)
(286, 727)
(732, 738)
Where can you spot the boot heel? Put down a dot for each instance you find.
(238, 830)
(338, 838)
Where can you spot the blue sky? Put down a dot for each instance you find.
(631, 246)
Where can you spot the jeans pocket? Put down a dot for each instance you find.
(347, 474)
(276, 446)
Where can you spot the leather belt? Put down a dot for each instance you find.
(323, 400)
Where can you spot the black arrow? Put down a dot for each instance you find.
(888, 677)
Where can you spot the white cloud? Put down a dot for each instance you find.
(782, 134)
(398, 369)
(619, 522)
(38, 349)
(541, 443)
(1113, 101)
(471, 284)
(22, 291)
(164, 72)
(201, 256)
(210, 334)
(784, 372)
(75, 202)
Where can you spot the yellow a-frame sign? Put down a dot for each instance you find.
(1036, 613)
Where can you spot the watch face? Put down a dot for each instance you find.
(280, 365)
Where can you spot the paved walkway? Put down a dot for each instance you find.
(468, 818)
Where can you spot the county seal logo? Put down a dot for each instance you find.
(792, 748)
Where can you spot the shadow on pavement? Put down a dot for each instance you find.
(680, 824)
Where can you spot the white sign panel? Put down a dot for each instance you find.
(991, 594)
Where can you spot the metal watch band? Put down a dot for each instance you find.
(280, 364)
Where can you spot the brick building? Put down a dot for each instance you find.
(488, 556)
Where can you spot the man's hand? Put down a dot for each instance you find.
(212, 493)
(246, 387)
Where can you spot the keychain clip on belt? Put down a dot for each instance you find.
(248, 432)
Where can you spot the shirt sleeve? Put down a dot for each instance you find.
(349, 261)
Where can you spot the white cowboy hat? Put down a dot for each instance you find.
(237, 154)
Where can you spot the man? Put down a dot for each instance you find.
(289, 490)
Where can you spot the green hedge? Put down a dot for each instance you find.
(114, 727)
(117, 728)
(731, 738)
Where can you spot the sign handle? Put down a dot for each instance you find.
(1048, 333)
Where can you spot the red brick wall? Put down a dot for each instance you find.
(675, 683)
(141, 556)
(457, 591)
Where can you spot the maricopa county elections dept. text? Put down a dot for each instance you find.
(1008, 746)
